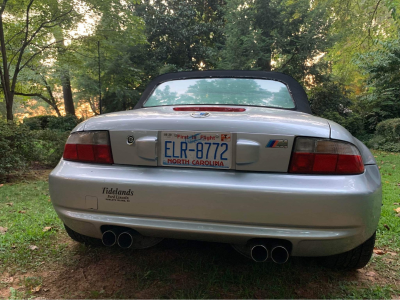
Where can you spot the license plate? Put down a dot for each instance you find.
(196, 149)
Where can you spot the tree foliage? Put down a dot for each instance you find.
(281, 35)
(344, 52)
(381, 97)
(26, 28)
(183, 34)
(107, 52)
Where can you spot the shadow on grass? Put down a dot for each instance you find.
(192, 269)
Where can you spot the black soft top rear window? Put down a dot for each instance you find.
(265, 89)
(222, 91)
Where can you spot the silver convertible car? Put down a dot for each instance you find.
(225, 156)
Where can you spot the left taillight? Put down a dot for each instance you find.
(89, 146)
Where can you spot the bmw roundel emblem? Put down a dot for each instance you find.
(200, 114)
(130, 140)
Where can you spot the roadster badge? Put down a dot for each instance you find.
(201, 114)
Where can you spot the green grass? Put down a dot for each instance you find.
(175, 268)
(25, 212)
(389, 164)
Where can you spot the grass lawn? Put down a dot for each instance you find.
(37, 259)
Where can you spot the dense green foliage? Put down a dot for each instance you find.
(16, 147)
(20, 147)
(345, 53)
(49, 146)
(387, 136)
(65, 123)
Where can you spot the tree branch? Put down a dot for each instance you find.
(43, 25)
(22, 50)
(38, 52)
(375, 10)
(286, 63)
(35, 95)
(18, 33)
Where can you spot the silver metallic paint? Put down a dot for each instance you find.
(253, 120)
(226, 206)
(320, 215)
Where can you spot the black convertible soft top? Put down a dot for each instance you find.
(296, 90)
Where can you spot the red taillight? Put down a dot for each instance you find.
(88, 146)
(316, 156)
(209, 108)
(70, 152)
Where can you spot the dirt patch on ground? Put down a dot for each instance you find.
(184, 269)
(36, 172)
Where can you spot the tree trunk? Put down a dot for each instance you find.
(67, 93)
(65, 77)
(5, 77)
(9, 106)
(57, 110)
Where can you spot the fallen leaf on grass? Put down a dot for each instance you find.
(397, 209)
(396, 203)
(392, 253)
(13, 246)
(46, 290)
(10, 204)
(33, 247)
(398, 215)
(1, 185)
(22, 211)
(36, 289)
(370, 274)
(47, 229)
(379, 251)
(3, 230)
(386, 226)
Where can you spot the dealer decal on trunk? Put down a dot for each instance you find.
(117, 194)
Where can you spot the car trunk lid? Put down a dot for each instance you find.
(261, 138)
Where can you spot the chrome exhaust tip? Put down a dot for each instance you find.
(125, 240)
(109, 238)
(279, 255)
(259, 253)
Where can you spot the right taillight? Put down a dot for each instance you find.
(317, 156)
(89, 146)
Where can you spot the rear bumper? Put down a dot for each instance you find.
(319, 215)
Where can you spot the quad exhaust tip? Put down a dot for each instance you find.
(279, 255)
(125, 240)
(109, 238)
(259, 253)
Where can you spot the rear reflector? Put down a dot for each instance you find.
(209, 108)
(316, 156)
(89, 146)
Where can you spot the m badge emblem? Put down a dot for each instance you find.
(277, 144)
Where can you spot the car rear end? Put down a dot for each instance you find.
(224, 173)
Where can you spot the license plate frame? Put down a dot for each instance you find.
(172, 154)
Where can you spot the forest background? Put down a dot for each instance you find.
(58, 57)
